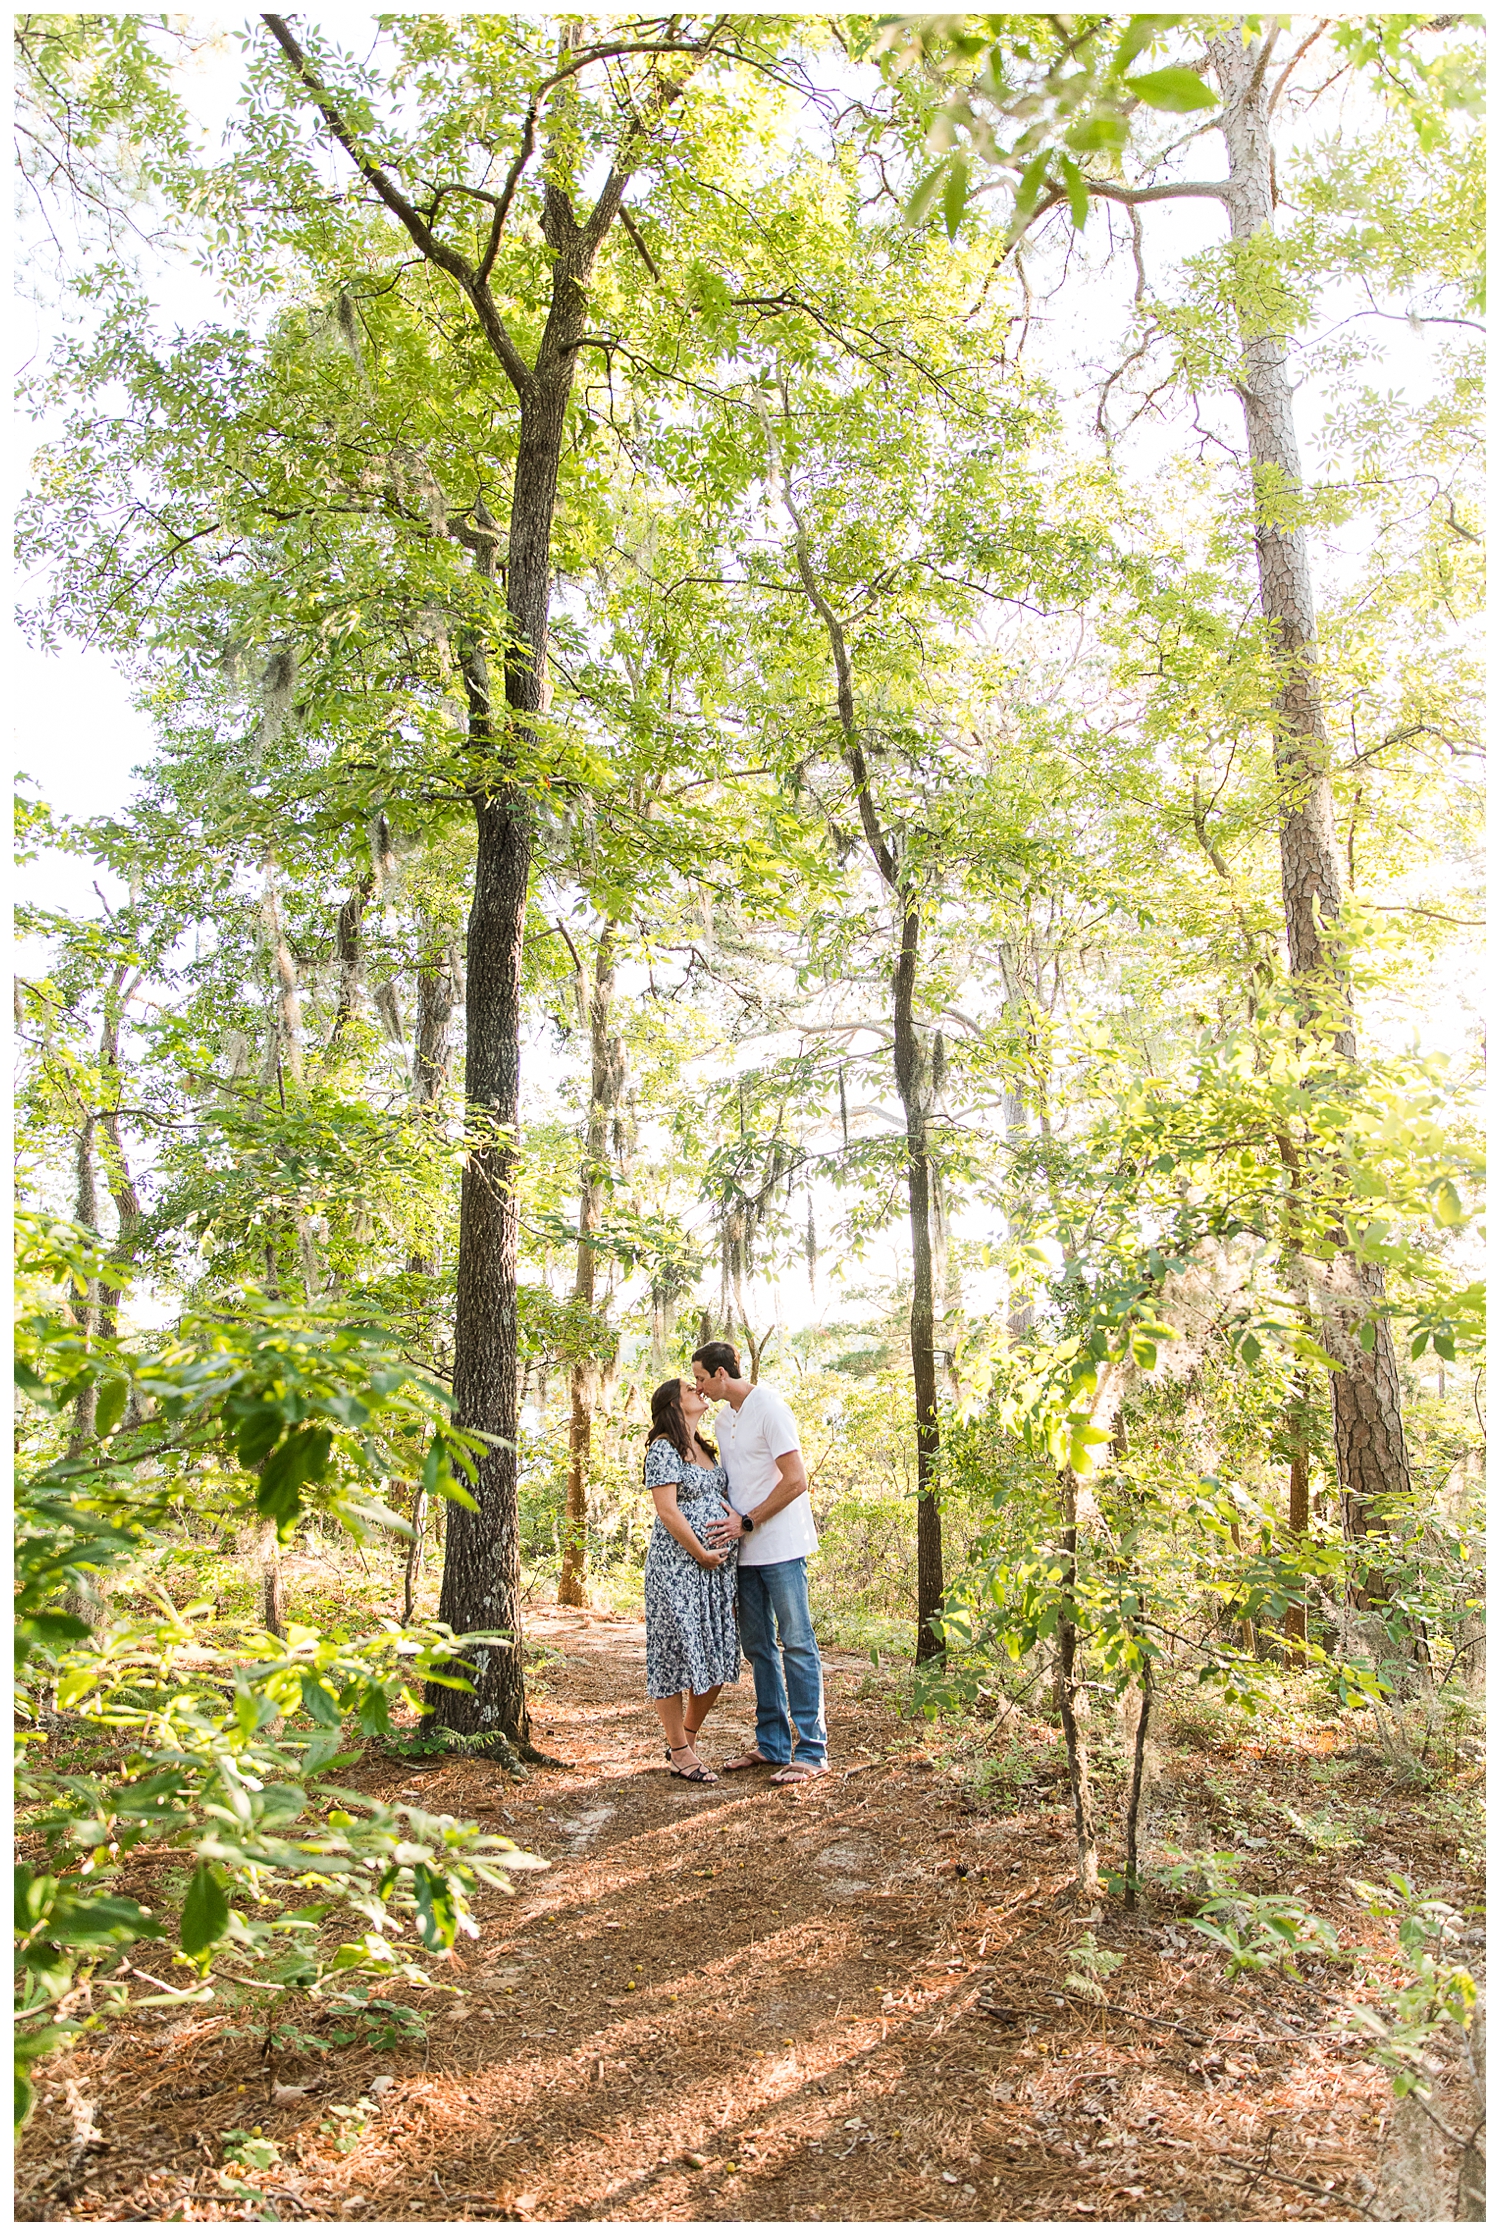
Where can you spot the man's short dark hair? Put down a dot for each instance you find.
(718, 1358)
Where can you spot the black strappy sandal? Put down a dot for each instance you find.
(699, 1775)
(692, 1731)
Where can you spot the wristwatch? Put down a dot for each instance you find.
(748, 1525)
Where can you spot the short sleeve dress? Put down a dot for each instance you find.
(692, 1637)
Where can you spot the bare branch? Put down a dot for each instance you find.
(1280, 86)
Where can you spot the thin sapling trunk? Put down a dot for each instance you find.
(1069, 1693)
(1137, 1784)
(606, 1086)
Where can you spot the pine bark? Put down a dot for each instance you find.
(606, 1085)
(1369, 1436)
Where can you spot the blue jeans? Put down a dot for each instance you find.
(777, 1633)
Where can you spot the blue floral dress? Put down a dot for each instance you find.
(692, 1637)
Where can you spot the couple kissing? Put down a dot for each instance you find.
(727, 1566)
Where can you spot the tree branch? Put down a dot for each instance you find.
(644, 253)
(1280, 86)
(879, 845)
(436, 251)
(1200, 190)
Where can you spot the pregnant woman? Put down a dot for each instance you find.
(692, 1642)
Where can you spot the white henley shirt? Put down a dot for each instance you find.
(750, 1443)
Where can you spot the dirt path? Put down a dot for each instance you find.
(841, 2001)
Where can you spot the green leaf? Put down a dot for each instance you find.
(1078, 193)
(1081, 1449)
(956, 194)
(926, 193)
(257, 1433)
(113, 1397)
(113, 1918)
(302, 1458)
(1103, 133)
(29, 2047)
(1447, 1206)
(1029, 192)
(1177, 90)
(205, 1913)
(54, 1627)
(1138, 34)
(322, 1753)
(437, 1908)
(50, 1914)
(374, 1711)
(434, 1468)
(319, 1702)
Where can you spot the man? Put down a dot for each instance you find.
(772, 1525)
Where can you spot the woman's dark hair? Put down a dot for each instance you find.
(667, 1421)
(717, 1358)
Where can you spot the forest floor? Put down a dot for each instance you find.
(842, 2001)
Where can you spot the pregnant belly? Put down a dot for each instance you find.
(701, 1514)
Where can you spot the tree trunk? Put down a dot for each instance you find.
(481, 1568)
(414, 1552)
(1069, 1691)
(268, 1554)
(350, 946)
(1297, 1515)
(86, 1309)
(439, 991)
(288, 1013)
(128, 1212)
(606, 1085)
(914, 1068)
(914, 1083)
(1137, 1783)
(481, 1564)
(1369, 1437)
(1019, 1209)
(482, 1559)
